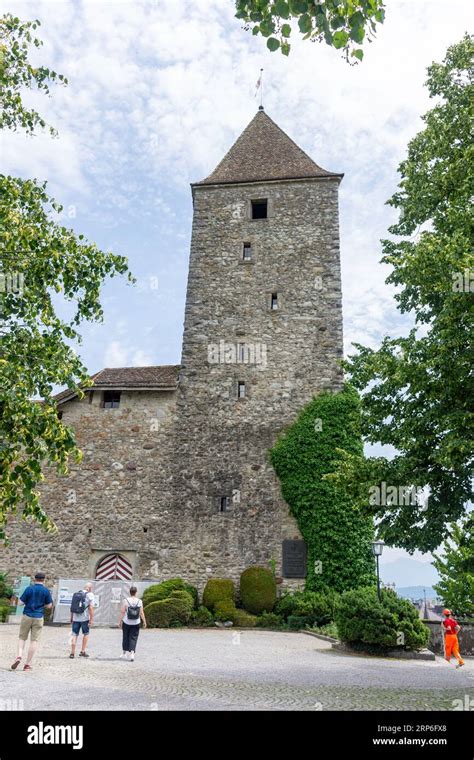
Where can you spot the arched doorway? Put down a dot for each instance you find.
(114, 567)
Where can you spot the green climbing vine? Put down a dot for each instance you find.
(337, 535)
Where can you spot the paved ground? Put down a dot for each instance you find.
(223, 669)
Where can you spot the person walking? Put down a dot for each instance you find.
(82, 617)
(451, 628)
(36, 599)
(131, 613)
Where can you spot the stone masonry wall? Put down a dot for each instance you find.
(163, 461)
(223, 441)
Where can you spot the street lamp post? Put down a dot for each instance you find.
(377, 548)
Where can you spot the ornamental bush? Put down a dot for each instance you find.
(244, 619)
(163, 590)
(270, 620)
(184, 596)
(337, 535)
(364, 621)
(258, 590)
(167, 612)
(316, 608)
(225, 610)
(201, 617)
(218, 590)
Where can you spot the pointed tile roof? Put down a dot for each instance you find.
(264, 152)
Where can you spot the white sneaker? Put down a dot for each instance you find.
(132, 656)
(123, 656)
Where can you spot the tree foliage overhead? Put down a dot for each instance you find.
(39, 258)
(418, 390)
(337, 536)
(17, 74)
(342, 24)
(456, 569)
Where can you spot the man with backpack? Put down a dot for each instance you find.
(82, 617)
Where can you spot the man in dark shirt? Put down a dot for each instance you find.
(35, 598)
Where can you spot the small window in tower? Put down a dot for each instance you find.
(241, 389)
(224, 504)
(260, 209)
(247, 252)
(111, 399)
(274, 302)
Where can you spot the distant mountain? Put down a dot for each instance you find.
(406, 571)
(416, 592)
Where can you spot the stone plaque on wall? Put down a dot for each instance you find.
(294, 559)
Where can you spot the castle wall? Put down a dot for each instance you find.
(155, 470)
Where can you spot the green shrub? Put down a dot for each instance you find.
(296, 622)
(6, 591)
(202, 617)
(163, 590)
(225, 610)
(327, 630)
(218, 590)
(244, 619)
(362, 619)
(258, 590)
(317, 608)
(185, 596)
(4, 613)
(167, 612)
(270, 620)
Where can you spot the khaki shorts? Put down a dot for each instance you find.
(33, 625)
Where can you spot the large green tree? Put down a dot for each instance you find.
(456, 569)
(39, 260)
(417, 390)
(342, 24)
(338, 537)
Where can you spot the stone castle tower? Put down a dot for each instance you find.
(262, 336)
(176, 478)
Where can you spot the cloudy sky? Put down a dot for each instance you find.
(159, 90)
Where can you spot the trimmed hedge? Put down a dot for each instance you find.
(184, 596)
(225, 610)
(258, 590)
(163, 590)
(218, 590)
(167, 612)
(244, 619)
(202, 617)
(363, 620)
(316, 608)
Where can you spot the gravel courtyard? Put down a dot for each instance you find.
(184, 669)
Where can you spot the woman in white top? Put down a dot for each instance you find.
(131, 613)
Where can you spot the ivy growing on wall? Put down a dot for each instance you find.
(338, 537)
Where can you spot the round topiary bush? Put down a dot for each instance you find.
(202, 617)
(163, 590)
(218, 590)
(243, 619)
(258, 590)
(185, 596)
(363, 620)
(167, 612)
(225, 611)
